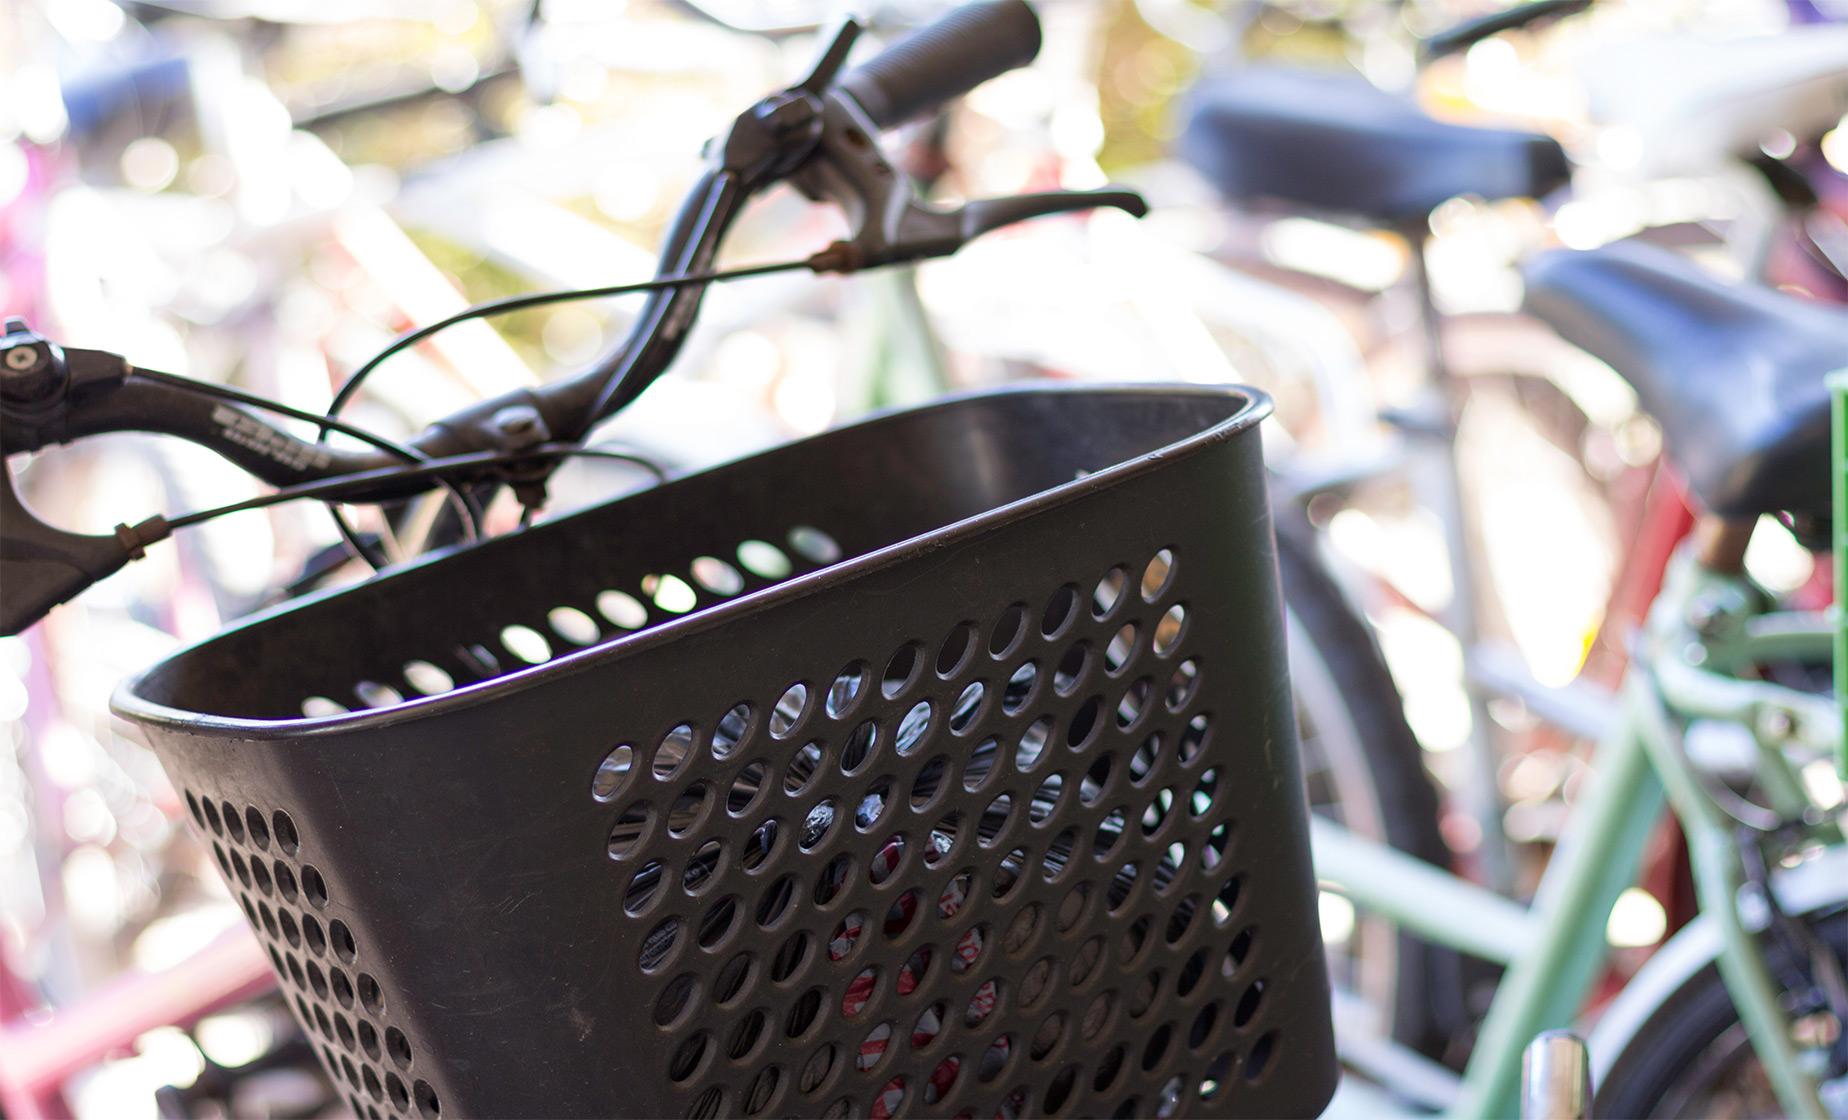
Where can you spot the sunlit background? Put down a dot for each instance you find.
(265, 192)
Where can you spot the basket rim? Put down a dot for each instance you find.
(129, 704)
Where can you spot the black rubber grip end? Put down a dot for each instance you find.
(945, 59)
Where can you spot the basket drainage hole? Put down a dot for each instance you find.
(818, 1068)
(1259, 1059)
(911, 973)
(849, 685)
(258, 828)
(1183, 685)
(526, 644)
(717, 923)
(859, 992)
(912, 728)
(1109, 591)
(994, 1059)
(658, 944)
(929, 1026)
(626, 834)
(689, 806)
(671, 593)
(1071, 668)
(814, 545)
(1061, 1089)
(846, 935)
(891, 1095)
(341, 938)
(1194, 739)
(1008, 630)
(1020, 687)
(703, 868)
(762, 1088)
(890, 855)
(643, 887)
(1214, 1079)
(873, 1048)
(765, 560)
(314, 888)
(672, 754)
(622, 609)
(1060, 610)
(1157, 575)
(1121, 648)
(1169, 630)
(942, 1079)
(716, 576)
(789, 710)
(955, 649)
(686, 1059)
(1107, 1070)
(612, 773)
(1134, 703)
(833, 878)
(802, 768)
(573, 625)
(398, 1046)
(373, 1000)
(942, 839)
(427, 678)
(745, 1036)
(372, 694)
(955, 893)
(734, 728)
(982, 1003)
(967, 706)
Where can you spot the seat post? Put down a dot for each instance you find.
(1440, 412)
(1719, 543)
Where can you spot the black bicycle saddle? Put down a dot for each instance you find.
(1335, 142)
(1734, 374)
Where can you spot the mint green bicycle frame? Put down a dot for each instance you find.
(1703, 629)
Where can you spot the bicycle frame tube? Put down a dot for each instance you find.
(1715, 858)
(1554, 949)
(1561, 939)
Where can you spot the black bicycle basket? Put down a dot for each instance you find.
(942, 764)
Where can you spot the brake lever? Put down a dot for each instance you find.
(923, 231)
(43, 566)
(891, 224)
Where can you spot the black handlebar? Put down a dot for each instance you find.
(944, 60)
(812, 134)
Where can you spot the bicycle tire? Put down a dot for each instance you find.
(1418, 985)
(1696, 1031)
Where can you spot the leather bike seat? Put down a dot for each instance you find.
(1733, 373)
(1335, 142)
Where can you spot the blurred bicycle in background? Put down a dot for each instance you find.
(355, 174)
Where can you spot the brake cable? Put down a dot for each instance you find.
(539, 299)
(470, 508)
(350, 387)
(331, 489)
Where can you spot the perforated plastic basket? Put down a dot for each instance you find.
(942, 764)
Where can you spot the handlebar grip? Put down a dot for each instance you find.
(945, 59)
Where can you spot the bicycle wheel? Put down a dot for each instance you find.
(1691, 1056)
(1364, 768)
